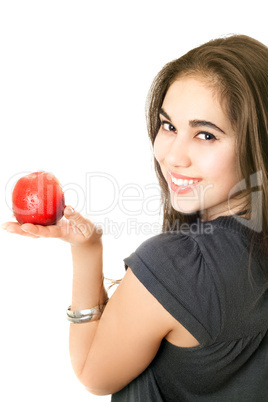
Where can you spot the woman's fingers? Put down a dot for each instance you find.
(54, 231)
(36, 231)
(14, 227)
(75, 229)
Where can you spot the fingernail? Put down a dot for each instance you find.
(4, 226)
(69, 210)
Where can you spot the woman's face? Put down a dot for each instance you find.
(195, 147)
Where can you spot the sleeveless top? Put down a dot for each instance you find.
(201, 277)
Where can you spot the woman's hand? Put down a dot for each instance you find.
(75, 229)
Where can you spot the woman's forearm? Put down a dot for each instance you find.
(88, 291)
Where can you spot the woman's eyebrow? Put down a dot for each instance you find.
(195, 123)
(198, 123)
(164, 114)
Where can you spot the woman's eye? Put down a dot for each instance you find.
(167, 126)
(206, 136)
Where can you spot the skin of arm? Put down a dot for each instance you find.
(109, 353)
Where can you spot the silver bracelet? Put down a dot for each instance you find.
(91, 314)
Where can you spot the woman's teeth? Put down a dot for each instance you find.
(185, 182)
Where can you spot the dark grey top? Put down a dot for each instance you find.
(200, 275)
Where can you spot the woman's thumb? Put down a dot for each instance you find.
(68, 211)
(86, 227)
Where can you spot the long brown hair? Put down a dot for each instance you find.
(237, 68)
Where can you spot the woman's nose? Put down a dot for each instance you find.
(178, 153)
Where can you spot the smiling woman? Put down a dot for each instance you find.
(188, 322)
(234, 70)
(185, 148)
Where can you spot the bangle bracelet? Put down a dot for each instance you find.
(80, 316)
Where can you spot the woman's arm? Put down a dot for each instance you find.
(107, 354)
(87, 291)
(127, 338)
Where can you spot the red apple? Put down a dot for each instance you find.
(38, 198)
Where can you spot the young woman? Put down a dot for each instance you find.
(189, 320)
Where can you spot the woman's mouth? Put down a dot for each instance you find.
(181, 184)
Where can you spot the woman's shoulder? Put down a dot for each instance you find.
(195, 233)
(200, 242)
(167, 249)
(167, 241)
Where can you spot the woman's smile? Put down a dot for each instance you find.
(181, 184)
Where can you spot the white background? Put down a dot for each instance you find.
(74, 78)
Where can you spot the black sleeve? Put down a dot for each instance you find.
(173, 269)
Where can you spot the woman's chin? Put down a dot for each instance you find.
(184, 207)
